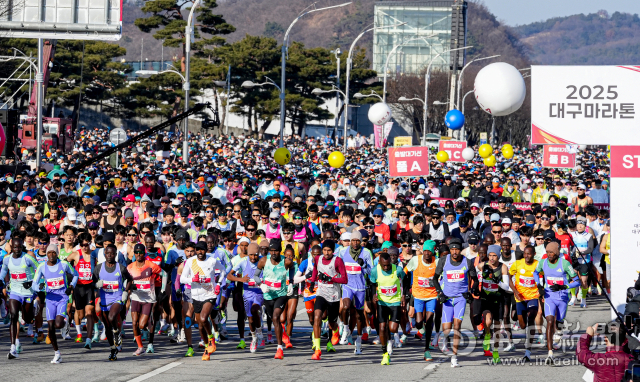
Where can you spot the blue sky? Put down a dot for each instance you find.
(517, 12)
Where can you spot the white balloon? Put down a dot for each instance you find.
(468, 153)
(379, 114)
(582, 147)
(499, 89)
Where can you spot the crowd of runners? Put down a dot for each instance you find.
(173, 247)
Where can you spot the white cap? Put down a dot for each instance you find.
(506, 221)
(345, 236)
(72, 214)
(31, 210)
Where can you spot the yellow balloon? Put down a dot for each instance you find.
(507, 151)
(282, 156)
(609, 155)
(485, 150)
(490, 161)
(442, 156)
(336, 159)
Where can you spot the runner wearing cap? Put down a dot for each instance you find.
(581, 201)
(457, 272)
(584, 245)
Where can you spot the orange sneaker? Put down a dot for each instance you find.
(205, 356)
(288, 345)
(335, 338)
(285, 337)
(279, 354)
(211, 348)
(316, 355)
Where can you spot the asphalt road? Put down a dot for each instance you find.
(169, 364)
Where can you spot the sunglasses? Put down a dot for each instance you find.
(250, 229)
(377, 216)
(265, 217)
(132, 234)
(85, 244)
(237, 211)
(369, 227)
(209, 212)
(406, 245)
(139, 252)
(273, 219)
(41, 243)
(544, 218)
(255, 216)
(496, 231)
(96, 212)
(403, 215)
(325, 216)
(287, 233)
(539, 238)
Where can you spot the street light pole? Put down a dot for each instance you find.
(463, 129)
(40, 82)
(427, 77)
(285, 43)
(349, 63)
(187, 83)
(462, 72)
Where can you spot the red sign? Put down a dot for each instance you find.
(557, 156)
(408, 161)
(625, 161)
(454, 149)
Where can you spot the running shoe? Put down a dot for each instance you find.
(57, 358)
(12, 354)
(358, 349)
(87, 344)
(113, 355)
(103, 336)
(171, 332)
(488, 353)
(454, 362)
(330, 347)
(427, 356)
(365, 336)
(287, 341)
(549, 361)
(254, 346)
(96, 336)
(403, 339)
(583, 304)
(376, 341)
(190, 352)
(139, 352)
(241, 345)
(510, 347)
(418, 335)
(261, 341)
(79, 338)
(386, 359)
(201, 344)
(223, 333)
(572, 301)
(211, 348)
(30, 331)
(279, 354)
(150, 348)
(270, 338)
(145, 335)
(47, 340)
(19, 348)
(206, 356)
(335, 338)
(390, 347)
(343, 339)
(540, 338)
(496, 358)
(316, 355)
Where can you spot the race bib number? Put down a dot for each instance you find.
(353, 268)
(251, 283)
(489, 286)
(55, 283)
(425, 282)
(389, 291)
(202, 279)
(143, 285)
(273, 284)
(84, 272)
(527, 282)
(18, 276)
(555, 281)
(455, 276)
(110, 286)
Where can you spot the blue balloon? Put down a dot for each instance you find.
(454, 119)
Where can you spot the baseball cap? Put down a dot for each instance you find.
(345, 236)
(473, 238)
(378, 211)
(506, 221)
(182, 234)
(31, 210)
(494, 218)
(72, 214)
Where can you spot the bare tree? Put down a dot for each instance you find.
(7, 7)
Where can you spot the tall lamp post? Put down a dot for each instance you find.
(226, 83)
(463, 132)
(386, 62)
(187, 84)
(427, 77)
(462, 72)
(318, 91)
(349, 63)
(285, 47)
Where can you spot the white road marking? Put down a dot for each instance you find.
(431, 366)
(144, 377)
(301, 311)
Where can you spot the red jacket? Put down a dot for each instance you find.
(606, 367)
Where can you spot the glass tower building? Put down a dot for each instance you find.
(426, 33)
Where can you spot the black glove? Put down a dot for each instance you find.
(179, 261)
(495, 278)
(442, 298)
(68, 290)
(27, 284)
(574, 261)
(487, 274)
(134, 286)
(360, 262)
(309, 274)
(476, 289)
(179, 294)
(324, 277)
(467, 296)
(541, 290)
(557, 288)
(1, 284)
(311, 286)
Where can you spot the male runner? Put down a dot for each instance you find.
(457, 272)
(558, 277)
(83, 295)
(526, 293)
(54, 273)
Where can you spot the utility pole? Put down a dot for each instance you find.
(458, 37)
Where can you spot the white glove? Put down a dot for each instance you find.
(264, 288)
(290, 290)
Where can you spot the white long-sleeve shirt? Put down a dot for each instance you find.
(201, 276)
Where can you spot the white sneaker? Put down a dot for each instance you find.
(396, 341)
(358, 349)
(403, 339)
(390, 347)
(30, 331)
(540, 338)
(376, 341)
(572, 301)
(510, 347)
(557, 337)
(261, 342)
(57, 358)
(345, 334)
(12, 354)
(182, 338)
(454, 361)
(583, 304)
(254, 345)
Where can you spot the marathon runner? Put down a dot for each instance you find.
(526, 293)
